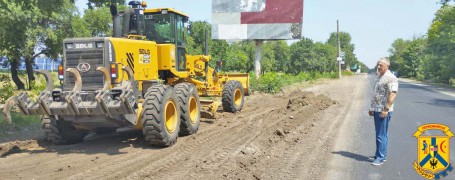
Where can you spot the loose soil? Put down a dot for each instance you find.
(283, 136)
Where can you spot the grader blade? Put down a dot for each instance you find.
(209, 108)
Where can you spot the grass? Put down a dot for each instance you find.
(19, 120)
(8, 89)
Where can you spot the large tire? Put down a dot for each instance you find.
(233, 96)
(160, 116)
(61, 131)
(190, 108)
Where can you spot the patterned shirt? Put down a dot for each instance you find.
(385, 84)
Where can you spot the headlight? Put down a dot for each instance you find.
(69, 46)
(99, 44)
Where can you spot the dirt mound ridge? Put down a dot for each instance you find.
(299, 100)
(15, 147)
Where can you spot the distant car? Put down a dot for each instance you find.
(395, 73)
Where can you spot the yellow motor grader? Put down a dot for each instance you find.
(141, 78)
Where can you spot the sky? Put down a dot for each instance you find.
(373, 25)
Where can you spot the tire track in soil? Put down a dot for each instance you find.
(226, 141)
(170, 173)
(204, 143)
(155, 169)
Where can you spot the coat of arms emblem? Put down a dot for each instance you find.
(433, 152)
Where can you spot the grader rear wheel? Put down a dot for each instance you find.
(160, 116)
(60, 131)
(190, 108)
(233, 96)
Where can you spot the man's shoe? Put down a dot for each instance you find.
(372, 158)
(377, 162)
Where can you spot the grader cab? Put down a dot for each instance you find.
(141, 78)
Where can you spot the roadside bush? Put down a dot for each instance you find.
(272, 82)
(347, 73)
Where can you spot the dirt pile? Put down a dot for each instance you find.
(15, 147)
(309, 98)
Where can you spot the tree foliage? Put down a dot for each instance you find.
(408, 57)
(31, 28)
(430, 57)
(92, 4)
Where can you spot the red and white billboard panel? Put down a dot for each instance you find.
(257, 19)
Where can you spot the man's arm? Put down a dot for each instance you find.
(389, 103)
(391, 99)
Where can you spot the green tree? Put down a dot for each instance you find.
(98, 21)
(92, 4)
(324, 57)
(408, 57)
(268, 61)
(301, 56)
(236, 58)
(197, 35)
(441, 47)
(31, 28)
(346, 46)
(282, 55)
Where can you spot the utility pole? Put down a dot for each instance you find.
(339, 59)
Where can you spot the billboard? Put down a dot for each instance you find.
(257, 19)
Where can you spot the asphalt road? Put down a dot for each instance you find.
(416, 104)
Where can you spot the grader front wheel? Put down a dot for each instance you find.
(233, 96)
(160, 116)
(190, 108)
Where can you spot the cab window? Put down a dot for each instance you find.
(158, 28)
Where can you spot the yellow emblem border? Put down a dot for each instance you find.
(420, 130)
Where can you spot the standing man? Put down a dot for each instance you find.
(385, 91)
